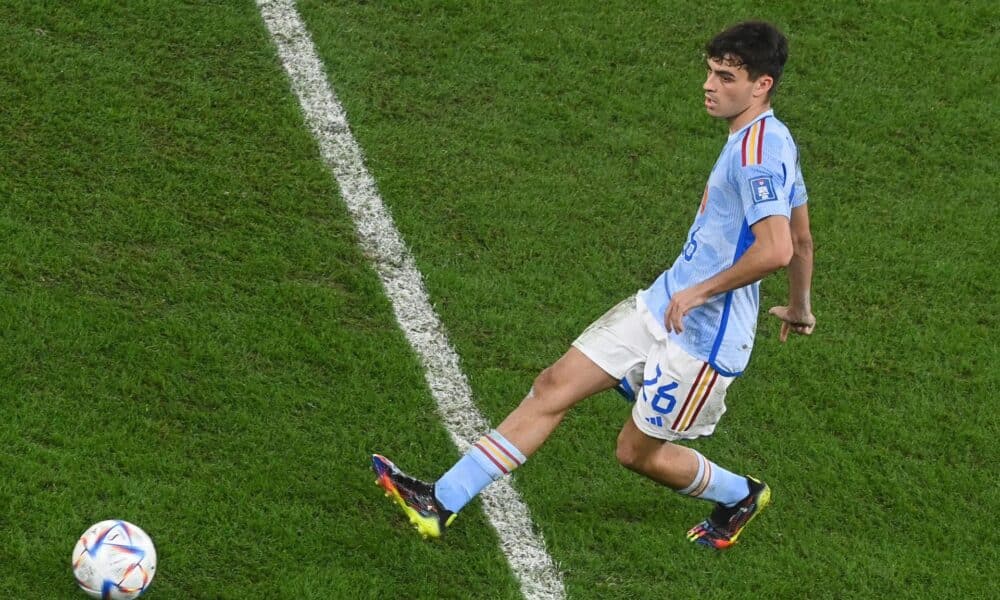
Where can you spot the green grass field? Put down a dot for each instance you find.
(192, 340)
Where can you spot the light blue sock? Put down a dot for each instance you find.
(489, 459)
(726, 487)
(716, 484)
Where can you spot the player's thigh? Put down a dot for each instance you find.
(682, 397)
(619, 340)
(599, 358)
(570, 379)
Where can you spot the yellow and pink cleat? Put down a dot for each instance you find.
(726, 523)
(414, 496)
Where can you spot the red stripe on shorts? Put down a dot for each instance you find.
(694, 386)
(708, 392)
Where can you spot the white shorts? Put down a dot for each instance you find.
(677, 396)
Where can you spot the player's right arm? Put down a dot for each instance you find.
(797, 317)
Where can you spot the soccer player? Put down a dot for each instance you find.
(676, 346)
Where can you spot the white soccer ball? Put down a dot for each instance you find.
(114, 560)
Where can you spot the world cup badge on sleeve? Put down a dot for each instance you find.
(763, 189)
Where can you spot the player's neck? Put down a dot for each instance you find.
(748, 116)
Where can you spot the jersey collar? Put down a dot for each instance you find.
(767, 113)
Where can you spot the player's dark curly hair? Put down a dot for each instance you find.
(757, 46)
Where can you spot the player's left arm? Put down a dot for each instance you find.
(771, 250)
(797, 316)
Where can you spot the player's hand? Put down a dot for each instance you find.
(680, 303)
(793, 320)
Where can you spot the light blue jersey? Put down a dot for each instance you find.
(757, 176)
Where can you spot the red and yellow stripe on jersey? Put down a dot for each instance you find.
(753, 144)
(700, 390)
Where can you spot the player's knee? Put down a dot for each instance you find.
(547, 395)
(545, 384)
(629, 454)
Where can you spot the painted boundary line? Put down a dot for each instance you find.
(382, 243)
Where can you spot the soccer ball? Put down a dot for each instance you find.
(114, 560)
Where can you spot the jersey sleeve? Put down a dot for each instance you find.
(799, 195)
(764, 176)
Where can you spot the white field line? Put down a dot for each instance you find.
(382, 243)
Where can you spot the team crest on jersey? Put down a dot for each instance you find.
(763, 189)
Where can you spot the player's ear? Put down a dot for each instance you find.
(763, 85)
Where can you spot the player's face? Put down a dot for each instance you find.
(730, 93)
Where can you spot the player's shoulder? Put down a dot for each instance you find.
(767, 139)
(777, 133)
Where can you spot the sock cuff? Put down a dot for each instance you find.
(495, 452)
(497, 438)
(701, 478)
